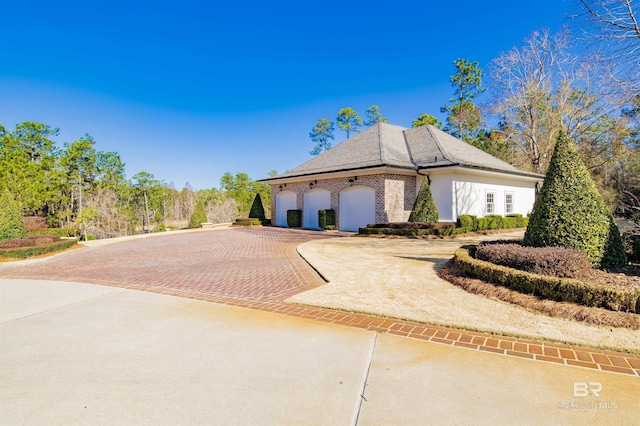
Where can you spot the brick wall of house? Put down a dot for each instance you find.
(395, 194)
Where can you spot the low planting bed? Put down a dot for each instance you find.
(465, 224)
(558, 282)
(247, 221)
(34, 245)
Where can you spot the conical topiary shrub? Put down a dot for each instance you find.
(569, 212)
(199, 216)
(11, 225)
(257, 209)
(424, 209)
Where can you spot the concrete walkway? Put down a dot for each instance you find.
(72, 353)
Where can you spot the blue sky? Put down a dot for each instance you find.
(190, 90)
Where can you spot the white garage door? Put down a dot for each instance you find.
(357, 207)
(314, 200)
(285, 200)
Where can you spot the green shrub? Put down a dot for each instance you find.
(11, 225)
(521, 222)
(494, 221)
(257, 209)
(25, 252)
(467, 221)
(199, 216)
(569, 212)
(560, 289)
(424, 209)
(294, 218)
(247, 222)
(509, 222)
(482, 224)
(327, 219)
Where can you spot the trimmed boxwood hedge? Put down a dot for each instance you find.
(25, 252)
(559, 289)
(294, 218)
(247, 221)
(327, 219)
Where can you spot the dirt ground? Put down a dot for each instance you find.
(399, 278)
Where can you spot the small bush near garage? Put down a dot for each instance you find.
(424, 210)
(257, 209)
(327, 219)
(294, 218)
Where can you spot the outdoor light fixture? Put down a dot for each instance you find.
(280, 187)
(311, 185)
(350, 182)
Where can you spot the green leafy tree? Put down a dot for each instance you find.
(145, 182)
(11, 225)
(80, 160)
(199, 215)
(427, 120)
(464, 117)
(257, 209)
(374, 116)
(321, 135)
(424, 209)
(569, 212)
(349, 120)
(28, 159)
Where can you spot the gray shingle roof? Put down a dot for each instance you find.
(395, 146)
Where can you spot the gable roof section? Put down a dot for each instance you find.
(388, 145)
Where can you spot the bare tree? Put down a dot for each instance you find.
(613, 25)
(541, 89)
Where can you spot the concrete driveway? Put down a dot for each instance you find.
(72, 353)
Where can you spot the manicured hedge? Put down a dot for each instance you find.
(327, 219)
(442, 229)
(25, 252)
(559, 289)
(247, 221)
(294, 218)
(474, 223)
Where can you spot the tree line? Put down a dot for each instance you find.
(583, 81)
(77, 186)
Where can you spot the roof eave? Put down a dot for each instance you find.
(309, 175)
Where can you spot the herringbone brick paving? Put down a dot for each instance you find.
(258, 268)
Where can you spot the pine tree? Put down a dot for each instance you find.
(11, 225)
(257, 209)
(424, 209)
(199, 216)
(569, 212)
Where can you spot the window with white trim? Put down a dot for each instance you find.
(491, 202)
(508, 203)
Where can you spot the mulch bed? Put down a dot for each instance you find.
(597, 316)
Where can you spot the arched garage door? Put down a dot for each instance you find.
(314, 200)
(285, 200)
(357, 207)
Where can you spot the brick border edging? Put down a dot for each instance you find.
(564, 354)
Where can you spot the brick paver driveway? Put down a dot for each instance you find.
(249, 264)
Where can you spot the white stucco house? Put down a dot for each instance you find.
(375, 176)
